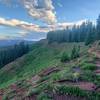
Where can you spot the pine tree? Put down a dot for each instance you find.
(98, 28)
(75, 52)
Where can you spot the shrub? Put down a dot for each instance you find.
(37, 90)
(75, 91)
(65, 57)
(70, 91)
(75, 52)
(88, 76)
(43, 96)
(32, 91)
(56, 76)
(5, 97)
(88, 66)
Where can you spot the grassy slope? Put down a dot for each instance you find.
(41, 57)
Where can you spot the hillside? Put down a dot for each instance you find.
(39, 69)
(49, 50)
(42, 55)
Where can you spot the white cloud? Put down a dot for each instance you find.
(27, 27)
(64, 25)
(41, 10)
(22, 24)
(12, 22)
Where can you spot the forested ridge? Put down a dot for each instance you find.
(10, 53)
(86, 32)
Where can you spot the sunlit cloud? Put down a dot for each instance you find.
(36, 28)
(42, 10)
(22, 24)
(24, 29)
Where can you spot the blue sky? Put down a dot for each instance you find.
(75, 10)
(32, 19)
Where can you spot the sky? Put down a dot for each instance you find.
(32, 19)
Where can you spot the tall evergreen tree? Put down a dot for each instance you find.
(11, 53)
(98, 28)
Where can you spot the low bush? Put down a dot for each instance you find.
(43, 96)
(66, 90)
(65, 57)
(75, 91)
(87, 75)
(75, 52)
(32, 91)
(89, 66)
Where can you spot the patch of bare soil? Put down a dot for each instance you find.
(49, 71)
(97, 71)
(1, 94)
(67, 97)
(34, 80)
(57, 97)
(0, 97)
(32, 97)
(86, 86)
(97, 63)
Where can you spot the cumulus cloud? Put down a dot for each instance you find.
(41, 10)
(26, 29)
(22, 24)
(12, 22)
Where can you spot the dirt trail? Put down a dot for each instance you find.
(94, 51)
(42, 74)
(67, 97)
(81, 84)
(88, 86)
(32, 97)
(49, 71)
(1, 94)
(1, 97)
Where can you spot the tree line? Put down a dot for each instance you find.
(9, 54)
(86, 32)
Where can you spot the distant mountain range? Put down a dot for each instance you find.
(4, 43)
